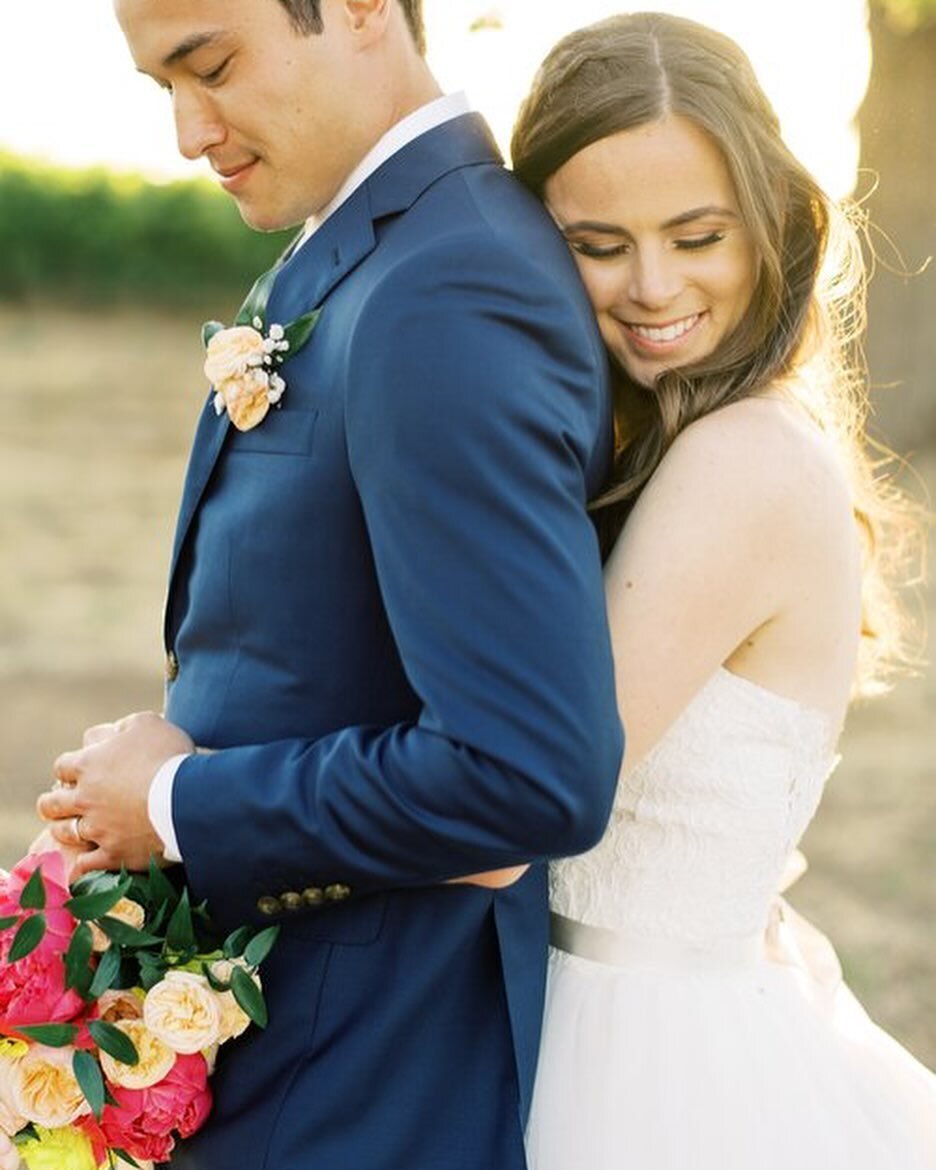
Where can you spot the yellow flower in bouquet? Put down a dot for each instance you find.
(58, 1149)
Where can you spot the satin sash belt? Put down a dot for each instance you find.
(618, 948)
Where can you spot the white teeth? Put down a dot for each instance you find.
(666, 332)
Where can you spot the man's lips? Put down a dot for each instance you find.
(232, 177)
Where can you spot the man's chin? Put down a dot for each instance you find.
(265, 219)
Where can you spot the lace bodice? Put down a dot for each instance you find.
(703, 827)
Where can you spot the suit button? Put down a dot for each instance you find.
(313, 896)
(337, 892)
(269, 905)
(291, 901)
(172, 666)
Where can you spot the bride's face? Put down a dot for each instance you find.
(653, 220)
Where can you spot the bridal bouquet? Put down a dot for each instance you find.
(114, 999)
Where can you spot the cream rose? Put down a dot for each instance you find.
(9, 1156)
(246, 397)
(232, 352)
(45, 1090)
(114, 1006)
(11, 1120)
(156, 1058)
(127, 911)
(234, 1020)
(183, 1012)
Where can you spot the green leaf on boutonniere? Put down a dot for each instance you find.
(88, 906)
(209, 329)
(298, 333)
(249, 996)
(52, 1035)
(33, 896)
(107, 971)
(78, 973)
(260, 946)
(90, 1080)
(180, 933)
(256, 302)
(27, 938)
(114, 1042)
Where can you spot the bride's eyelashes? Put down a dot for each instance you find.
(609, 251)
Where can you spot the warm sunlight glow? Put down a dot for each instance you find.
(86, 104)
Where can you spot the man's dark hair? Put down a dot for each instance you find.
(306, 15)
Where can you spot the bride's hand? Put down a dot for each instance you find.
(46, 843)
(492, 879)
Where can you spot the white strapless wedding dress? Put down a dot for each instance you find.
(693, 1022)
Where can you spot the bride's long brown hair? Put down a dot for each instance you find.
(802, 329)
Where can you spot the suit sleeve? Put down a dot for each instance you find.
(474, 405)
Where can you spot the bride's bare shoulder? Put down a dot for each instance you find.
(763, 456)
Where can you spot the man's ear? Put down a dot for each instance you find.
(368, 19)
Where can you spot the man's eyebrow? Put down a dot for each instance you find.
(190, 45)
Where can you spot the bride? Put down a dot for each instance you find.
(692, 1021)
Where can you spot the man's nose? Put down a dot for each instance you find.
(198, 127)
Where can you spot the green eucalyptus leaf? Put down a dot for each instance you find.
(249, 996)
(33, 896)
(78, 973)
(214, 982)
(90, 1080)
(209, 329)
(52, 1035)
(180, 933)
(27, 938)
(118, 1153)
(260, 946)
(161, 889)
(114, 1042)
(106, 974)
(125, 935)
(96, 905)
(6, 923)
(28, 1133)
(236, 942)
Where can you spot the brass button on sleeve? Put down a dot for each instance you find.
(337, 892)
(313, 896)
(269, 905)
(291, 901)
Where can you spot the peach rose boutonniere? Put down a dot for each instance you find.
(242, 361)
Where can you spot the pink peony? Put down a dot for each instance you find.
(144, 1122)
(32, 990)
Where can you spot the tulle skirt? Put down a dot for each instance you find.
(659, 1067)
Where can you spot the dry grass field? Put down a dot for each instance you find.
(97, 411)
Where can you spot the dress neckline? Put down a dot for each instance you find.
(745, 683)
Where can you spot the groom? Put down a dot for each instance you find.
(385, 625)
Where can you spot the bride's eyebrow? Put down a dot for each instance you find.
(684, 217)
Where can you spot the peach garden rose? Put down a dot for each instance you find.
(183, 1012)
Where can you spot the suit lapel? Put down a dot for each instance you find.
(308, 274)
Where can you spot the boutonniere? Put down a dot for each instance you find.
(243, 359)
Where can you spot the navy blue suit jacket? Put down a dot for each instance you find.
(386, 605)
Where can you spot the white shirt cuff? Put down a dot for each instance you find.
(159, 807)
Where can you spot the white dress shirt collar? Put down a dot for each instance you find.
(426, 118)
